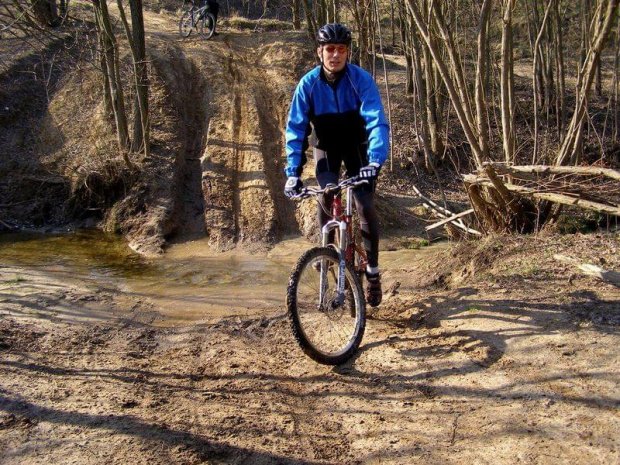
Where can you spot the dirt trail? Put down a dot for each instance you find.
(473, 359)
(242, 161)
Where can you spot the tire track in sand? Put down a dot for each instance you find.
(243, 158)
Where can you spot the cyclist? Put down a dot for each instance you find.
(338, 105)
(214, 9)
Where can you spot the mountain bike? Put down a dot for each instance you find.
(325, 298)
(197, 18)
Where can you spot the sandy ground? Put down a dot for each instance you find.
(488, 353)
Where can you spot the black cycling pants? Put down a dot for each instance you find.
(328, 167)
(214, 8)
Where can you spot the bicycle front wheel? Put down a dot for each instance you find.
(328, 327)
(186, 24)
(207, 26)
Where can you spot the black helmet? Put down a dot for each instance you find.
(334, 33)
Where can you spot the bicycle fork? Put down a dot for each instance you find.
(342, 227)
(342, 260)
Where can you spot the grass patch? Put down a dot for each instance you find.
(415, 244)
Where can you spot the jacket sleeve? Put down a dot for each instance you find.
(377, 128)
(297, 128)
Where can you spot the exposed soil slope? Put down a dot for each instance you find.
(249, 83)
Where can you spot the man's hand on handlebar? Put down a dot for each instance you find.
(293, 187)
(293, 192)
(370, 171)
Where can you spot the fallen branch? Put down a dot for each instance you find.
(544, 169)
(450, 219)
(609, 276)
(444, 213)
(553, 197)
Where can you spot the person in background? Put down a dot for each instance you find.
(338, 105)
(214, 9)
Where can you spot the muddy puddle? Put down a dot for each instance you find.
(190, 284)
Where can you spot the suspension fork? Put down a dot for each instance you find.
(342, 222)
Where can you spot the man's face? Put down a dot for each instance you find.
(333, 56)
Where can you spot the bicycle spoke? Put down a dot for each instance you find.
(328, 325)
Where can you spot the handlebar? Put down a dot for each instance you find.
(330, 188)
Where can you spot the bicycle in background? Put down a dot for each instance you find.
(325, 298)
(198, 18)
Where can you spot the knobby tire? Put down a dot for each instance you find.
(311, 323)
(186, 24)
(207, 26)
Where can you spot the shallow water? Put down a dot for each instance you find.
(189, 284)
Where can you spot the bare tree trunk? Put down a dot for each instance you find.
(599, 80)
(507, 92)
(310, 21)
(561, 72)
(393, 25)
(455, 59)
(135, 38)
(433, 108)
(361, 14)
(321, 12)
(462, 108)
(481, 72)
(602, 28)
(422, 104)
(387, 87)
(548, 73)
(336, 11)
(141, 132)
(406, 31)
(616, 84)
(108, 106)
(296, 15)
(112, 69)
(535, 80)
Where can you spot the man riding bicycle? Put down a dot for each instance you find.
(214, 9)
(338, 105)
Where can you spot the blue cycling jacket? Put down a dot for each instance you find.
(343, 115)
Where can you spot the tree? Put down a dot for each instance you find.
(113, 86)
(603, 23)
(135, 37)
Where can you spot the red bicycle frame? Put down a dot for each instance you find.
(346, 216)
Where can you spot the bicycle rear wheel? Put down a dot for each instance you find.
(186, 24)
(328, 331)
(207, 26)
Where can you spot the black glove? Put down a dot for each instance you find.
(370, 171)
(293, 186)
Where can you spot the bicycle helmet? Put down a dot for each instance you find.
(334, 33)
